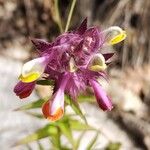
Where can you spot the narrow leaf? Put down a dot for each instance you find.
(75, 107)
(48, 130)
(113, 146)
(40, 146)
(78, 125)
(37, 115)
(32, 105)
(55, 140)
(79, 140)
(91, 144)
(65, 128)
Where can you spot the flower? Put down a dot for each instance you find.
(33, 69)
(74, 60)
(24, 90)
(53, 109)
(102, 99)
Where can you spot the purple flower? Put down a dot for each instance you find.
(74, 61)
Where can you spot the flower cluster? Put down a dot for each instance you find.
(74, 61)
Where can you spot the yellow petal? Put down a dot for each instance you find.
(114, 35)
(120, 37)
(98, 68)
(30, 78)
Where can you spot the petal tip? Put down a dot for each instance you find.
(46, 112)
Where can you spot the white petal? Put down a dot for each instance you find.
(34, 66)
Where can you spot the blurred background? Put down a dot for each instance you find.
(129, 83)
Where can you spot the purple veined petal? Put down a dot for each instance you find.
(102, 99)
(41, 44)
(83, 27)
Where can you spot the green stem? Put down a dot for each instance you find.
(70, 15)
(59, 22)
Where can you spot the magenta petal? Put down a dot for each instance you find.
(102, 99)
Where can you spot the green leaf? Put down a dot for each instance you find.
(113, 146)
(45, 82)
(55, 140)
(75, 106)
(65, 148)
(32, 105)
(46, 131)
(65, 128)
(93, 141)
(40, 146)
(79, 140)
(37, 115)
(78, 125)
